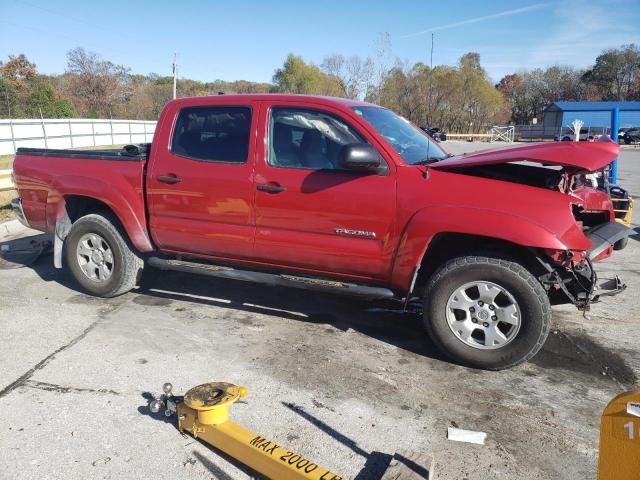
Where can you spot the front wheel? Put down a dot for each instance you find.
(486, 312)
(100, 257)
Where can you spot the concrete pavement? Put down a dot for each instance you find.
(345, 383)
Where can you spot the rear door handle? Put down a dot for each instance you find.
(271, 188)
(170, 179)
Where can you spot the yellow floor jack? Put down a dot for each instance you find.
(204, 413)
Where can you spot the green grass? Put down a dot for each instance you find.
(6, 161)
(6, 212)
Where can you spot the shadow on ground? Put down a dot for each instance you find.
(571, 352)
(377, 318)
(22, 252)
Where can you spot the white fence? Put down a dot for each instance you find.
(72, 133)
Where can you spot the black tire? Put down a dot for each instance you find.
(566, 139)
(531, 298)
(126, 265)
(621, 244)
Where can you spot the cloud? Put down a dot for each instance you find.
(484, 18)
(580, 34)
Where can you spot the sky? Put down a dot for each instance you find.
(232, 40)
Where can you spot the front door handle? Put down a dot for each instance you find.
(271, 188)
(170, 179)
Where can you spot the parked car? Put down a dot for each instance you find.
(437, 134)
(621, 132)
(570, 136)
(632, 135)
(340, 195)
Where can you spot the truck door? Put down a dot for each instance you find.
(310, 214)
(199, 182)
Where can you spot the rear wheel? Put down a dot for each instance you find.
(100, 257)
(486, 312)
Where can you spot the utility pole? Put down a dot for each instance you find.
(430, 82)
(175, 73)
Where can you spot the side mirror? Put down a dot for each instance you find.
(362, 157)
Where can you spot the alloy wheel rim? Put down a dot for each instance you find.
(95, 257)
(483, 315)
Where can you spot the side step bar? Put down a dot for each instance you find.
(271, 279)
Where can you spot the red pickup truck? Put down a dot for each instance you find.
(336, 194)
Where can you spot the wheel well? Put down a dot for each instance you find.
(78, 206)
(445, 246)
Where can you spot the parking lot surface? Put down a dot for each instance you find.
(343, 382)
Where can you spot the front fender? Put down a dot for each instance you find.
(430, 221)
(122, 198)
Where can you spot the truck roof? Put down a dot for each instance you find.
(326, 100)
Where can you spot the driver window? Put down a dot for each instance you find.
(309, 139)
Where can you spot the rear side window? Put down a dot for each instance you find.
(213, 134)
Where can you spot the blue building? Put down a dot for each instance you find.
(595, 115)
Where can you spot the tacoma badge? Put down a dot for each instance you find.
(355, 233)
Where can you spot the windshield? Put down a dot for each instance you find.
(411, 143)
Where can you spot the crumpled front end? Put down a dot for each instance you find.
(571, 274)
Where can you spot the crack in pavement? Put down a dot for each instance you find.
(43, 363)
(52, 387)
(103, 314)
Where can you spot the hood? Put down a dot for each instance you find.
(590, 156)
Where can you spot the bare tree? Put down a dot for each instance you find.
(354, 74)
(95, 86)
(382, 61)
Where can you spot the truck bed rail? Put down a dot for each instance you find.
(127, 153)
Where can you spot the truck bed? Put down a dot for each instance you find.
(52, 181)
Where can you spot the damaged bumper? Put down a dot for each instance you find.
(579, 283)
(604, 236)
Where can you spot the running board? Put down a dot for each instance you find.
(270, 279)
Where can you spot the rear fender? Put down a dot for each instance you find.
(124, 201)
(430, 221)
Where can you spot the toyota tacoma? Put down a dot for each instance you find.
(336, 194)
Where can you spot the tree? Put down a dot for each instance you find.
(95, 86)
(44, 101)
(25, 93)
(353, 74)
(454, 98)
(296, 76)
(616, 73)
(529, 92)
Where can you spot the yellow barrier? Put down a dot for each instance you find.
(620, 438)
(468, 135)
(5, 180)
(628, 212)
